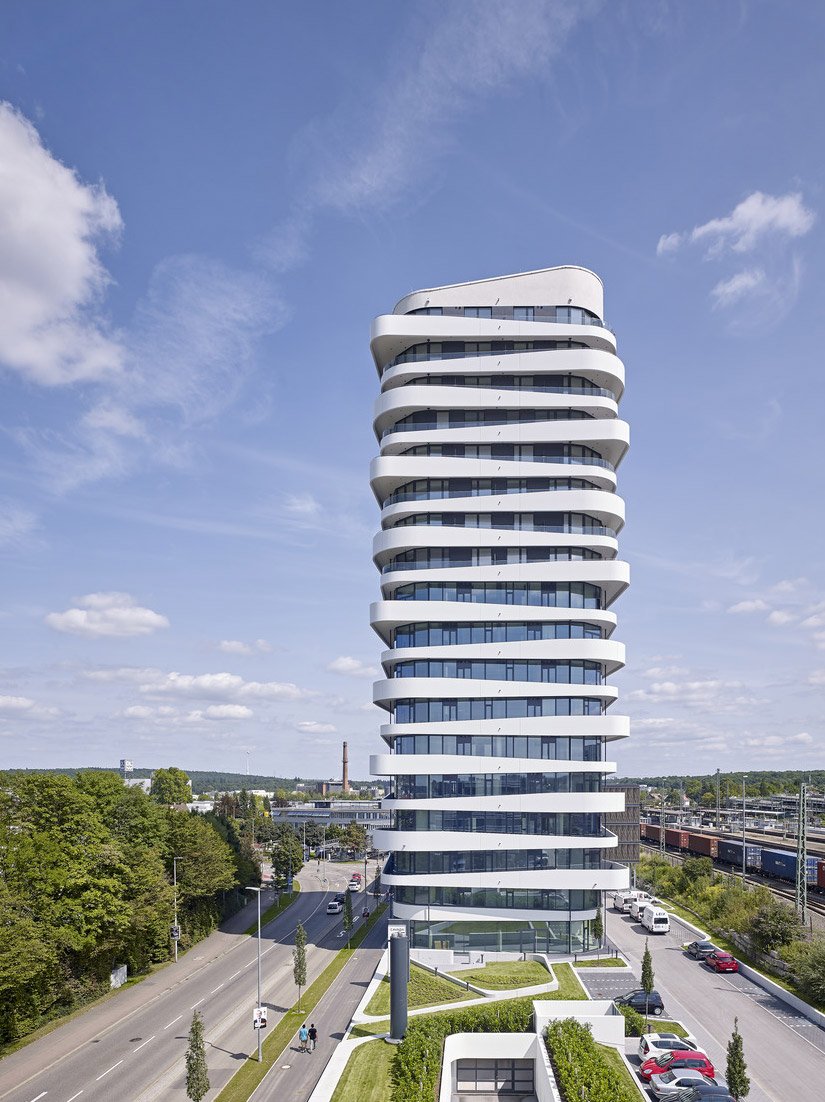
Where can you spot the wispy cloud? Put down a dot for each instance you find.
(369, 156)
(728, 291)
(17, 524)
(352, 667)
(222, 687)
(312, 727)
(237, 646)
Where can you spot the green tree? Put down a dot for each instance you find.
(348, 913)
(808, 962)
(597, 927)
(773, 925)
(197, 1075)
(286, 854)
(299, 960)
(648, 978)
(376, 883)
(354, 837)
(736, 1071)
(696, 868)
(171, 786)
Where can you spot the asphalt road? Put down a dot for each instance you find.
(785, 1053)
(132, 1046)
(296, 1074)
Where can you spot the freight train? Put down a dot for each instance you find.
(778, 864)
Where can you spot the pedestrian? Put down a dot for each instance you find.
(313, 1037)
(303, 1037)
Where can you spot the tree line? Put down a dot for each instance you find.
(86, 885)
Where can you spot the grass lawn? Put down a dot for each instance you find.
(275, 908)
(368, 1074)
(670, 1027)
(502, 975)
(629, 1089)
(604, 962)
(371, 1029)
(424, 990)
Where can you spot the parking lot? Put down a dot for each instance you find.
(784, 1051)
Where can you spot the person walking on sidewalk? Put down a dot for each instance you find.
(303, 1038)
(313, 1037)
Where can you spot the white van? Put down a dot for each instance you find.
(655, 919)
(622, 900)
(639, 903)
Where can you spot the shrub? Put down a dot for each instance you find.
(634, 1022)
(582, 1069)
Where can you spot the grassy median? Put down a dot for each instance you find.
(251, 1073)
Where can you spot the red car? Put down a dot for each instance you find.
(678, 1060)
(720, 961)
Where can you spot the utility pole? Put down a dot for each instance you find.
(744, 843)
(718, 800)
(801, 852)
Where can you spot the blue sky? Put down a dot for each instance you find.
(203, 205)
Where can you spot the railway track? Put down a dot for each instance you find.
(769, 839)
(816, 905)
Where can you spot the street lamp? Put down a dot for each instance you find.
(258, 1004)
(175, 926)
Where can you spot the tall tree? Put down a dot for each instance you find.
(171, 786)
(287, 854)
(348, 912)
(299, 960)
(597, 927)
(197, 1075)
(647, 975)
(736, 1072)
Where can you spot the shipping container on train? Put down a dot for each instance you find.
(820, 875)
(679, 839)
(782, 864)
(705, 844)
(730, 852)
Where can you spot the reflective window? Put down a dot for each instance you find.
(561, 671)
(447, 786)
(574, 523)
(453, 634)
(478, 311)
(458, 709)
(520, 899)
(559, 824)
(549, 747)
(422, 558)
(427, 489)
(454, 418)
(407, 863)
(549, 594)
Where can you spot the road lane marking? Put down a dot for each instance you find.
(41, 1095)
(173, 1021)
(146, 1042)
(192, 1007)
(235, 974)
(75, 1096)
(112, 1068)
(214, 989)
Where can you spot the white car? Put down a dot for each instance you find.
(654, 1044)
(672, 1085)
(354, 886)
(334, 908)
(639, 904)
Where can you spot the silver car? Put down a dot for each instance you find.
(672, 1085)
(651, 1044)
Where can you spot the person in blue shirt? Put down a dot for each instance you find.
(303, 1037)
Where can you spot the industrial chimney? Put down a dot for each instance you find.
(345, 771)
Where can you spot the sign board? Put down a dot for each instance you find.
(259, 1017)
(396, 929)
(174, 933)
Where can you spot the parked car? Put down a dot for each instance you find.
(671, 1084)
(652, 1043)
(700, 949)
(334, 907)
(678, 1060)
(639, 904)
(638, 1000)
(701, 1092)
(720, 961)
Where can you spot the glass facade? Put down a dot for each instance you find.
(560, 936)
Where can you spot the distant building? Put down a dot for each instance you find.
(126, 768)
(138, 782)
(626, 825)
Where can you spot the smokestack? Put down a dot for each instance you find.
(345, 771)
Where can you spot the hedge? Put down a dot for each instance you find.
(581, 1069)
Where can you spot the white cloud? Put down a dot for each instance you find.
(754, 605)
(228, 711)
(301, 505)
(779, 617)
(138, 711)
(227, 686)
(107, 615)
(237, 646)
(15, 704)
(699, 692)
(312, 727)
(756, 217)
(352, 667)
(728, 291)
(658, 672)
(669, 243)
(817, 677)
(51, 276)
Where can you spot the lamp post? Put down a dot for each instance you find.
(258, 1004)
(175, 893)
(744, 776)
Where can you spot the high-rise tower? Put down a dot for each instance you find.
(499, 442)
